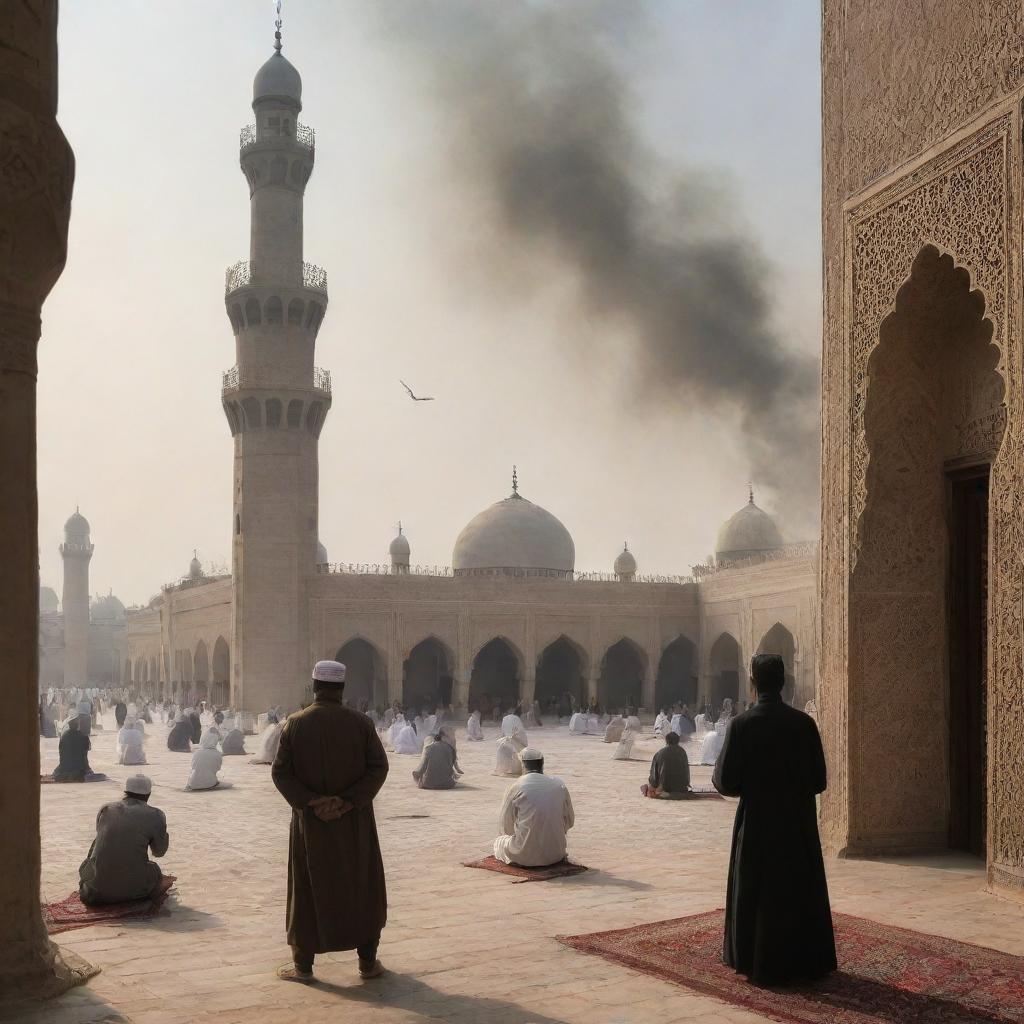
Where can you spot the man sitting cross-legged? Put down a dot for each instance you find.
(118, 867)
(535, 817)
(439, 767)
(670, 772)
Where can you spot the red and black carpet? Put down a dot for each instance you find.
(560, 870)
(886, 974)
(71, 912)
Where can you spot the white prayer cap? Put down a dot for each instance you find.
(140, 785)
(329, 672)
(531, 754)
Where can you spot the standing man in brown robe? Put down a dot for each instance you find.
(329, 767)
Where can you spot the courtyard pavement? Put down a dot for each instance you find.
(461, 945)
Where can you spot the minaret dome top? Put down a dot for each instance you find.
(278, 80)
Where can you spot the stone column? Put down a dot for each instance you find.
(36, 175)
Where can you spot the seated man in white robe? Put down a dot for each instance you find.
(474, 731)
(408, 741)
(614, 729)
(510, 723)
(507, 759)
(535, 817)
(398, 723)
(594, 726)
(270, 740)
(129, 744)
(663, 723)
(714, 741)
(578, 723)
(206, 762)
(624, 751)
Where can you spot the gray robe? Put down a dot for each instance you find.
(118, 867)
(437, 767)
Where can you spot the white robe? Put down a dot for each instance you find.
(507, 761)
(578, 723)
(509, 724)
(395, 728)
(713, 742)
(535, 816)
(206, 762)
(269, 741)
(408, 742)
(662, 724)
(129, 746)
(473, 730)
(625, 747)
(594, 727)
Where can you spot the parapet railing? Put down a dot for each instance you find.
(384, 569)
(304, 136)
(804, 549)
(230, 380)
(239, 275)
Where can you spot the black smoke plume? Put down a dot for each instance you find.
(538, 108)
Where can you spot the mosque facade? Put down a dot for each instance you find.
(511, 619)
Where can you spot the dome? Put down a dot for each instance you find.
(748, 533)
(77, 527)
(321, 554)
(514, 537)
(48, 601)
(277, 80)
(625, 564)
(399, 550)
(107, 608)
(195, 568)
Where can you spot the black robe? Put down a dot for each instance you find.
(179, 736)
(120, 713)
(74, 757)
(778, 924)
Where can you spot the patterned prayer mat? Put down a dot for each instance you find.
(560, 870)
(71, 912)
(45, 780)
(886, 974)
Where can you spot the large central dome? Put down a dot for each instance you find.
(749, 533)
(514, 537)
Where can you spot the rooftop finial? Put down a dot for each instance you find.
(515, 482)
(750, 487)
(277, 25)
(399, 527)
(195, 552)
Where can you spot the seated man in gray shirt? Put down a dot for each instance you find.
(670, 772)
(439, 767)
(118, 867)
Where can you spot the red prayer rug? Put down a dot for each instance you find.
(559, 870)
(71, 912)
(886, 974)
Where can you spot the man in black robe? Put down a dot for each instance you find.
(73, 751)
(778, 923)
(120, 713)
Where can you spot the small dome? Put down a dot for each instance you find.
(76, 528)
(514, 536)
(48, 601)
(321, 554)
(106, 609)
(625, 564)
(195, 568)
(399, 551)
(277, 80)
(748, 533)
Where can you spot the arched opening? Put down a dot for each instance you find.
(274, 310)
(726, 670)
(154, 675)
(237, 320)
(934, 417)
(186, 668)
(676, 681)
(220, 669)
(251, 411)
(273, 412)
(778, 640)
(201, 664)
(295, 412)
(495, 677)
(620, 684)
(313, 418)
(560, 674)
(427, 679)
(252, 312)
(295, 308)
(365, 675)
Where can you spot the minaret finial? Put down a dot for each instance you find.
(195, 552)
(750, 487)
(515, 481)
(277, 25)
(399, 527)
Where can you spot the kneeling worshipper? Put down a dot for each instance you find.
(47, 729)
(682, 724)
(507, 758)
(473, 728)
(233, 741)
(73, 751)
(670, 772)
(662, 723)
(269, 741)
(624, 751)
(578, 723)
(614, 729)
(594, 727)
(511, 723)
(396, 727)
(712, 745)
(118, 867)
(206, 762)
(535, 816)
(180, 736)
(129, 744)
(778, 923)
(439, 768)
(408, 741)
(195, 721)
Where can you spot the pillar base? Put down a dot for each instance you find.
(41, 972)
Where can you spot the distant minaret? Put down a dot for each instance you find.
(275, 400)
(76, 551)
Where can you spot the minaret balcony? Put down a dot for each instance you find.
(231, 381)
(304, 138)
(239, 276)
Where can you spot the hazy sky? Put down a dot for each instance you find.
(135, 336)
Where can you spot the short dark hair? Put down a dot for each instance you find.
(672, 739)
(324, 684)
(768, 671)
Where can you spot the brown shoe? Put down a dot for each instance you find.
(374, 970)
(289, 972)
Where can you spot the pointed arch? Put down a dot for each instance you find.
(779, 640)
(561, 675)
(427, 674)
(494, 681)
(621, 681)
(676, 681)
(365, 672)
(725, 669)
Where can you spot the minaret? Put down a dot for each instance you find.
(275, 400)
(76, 551)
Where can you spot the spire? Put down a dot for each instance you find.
(399, 527)
(277, 26)
(515, 482)
(625, 545)
(750, 487)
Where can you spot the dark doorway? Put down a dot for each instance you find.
(968, 643)
(364, 673)
(676, 680)
(622, 677)
(427, 682)
(559, 672)
(495, 678)
(725, 671)
(778, 640)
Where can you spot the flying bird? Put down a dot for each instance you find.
(414, 397)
